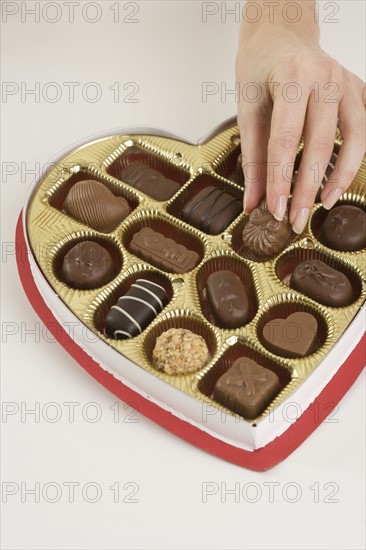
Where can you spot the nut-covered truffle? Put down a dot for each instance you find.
(264, 235)
(180, 351)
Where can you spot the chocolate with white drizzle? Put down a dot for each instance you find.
(135, 310)
(212, 210)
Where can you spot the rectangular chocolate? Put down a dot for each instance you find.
(212, 210)
(149, 181)
(162, 252)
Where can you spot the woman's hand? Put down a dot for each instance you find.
(289, 87)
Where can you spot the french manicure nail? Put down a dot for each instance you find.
(300, 220)
(280, 208)
(332, 198)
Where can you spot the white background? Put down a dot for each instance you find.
(168, 53)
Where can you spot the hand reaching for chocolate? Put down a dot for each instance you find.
(290, 87)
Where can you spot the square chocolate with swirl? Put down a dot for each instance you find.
(246, 388)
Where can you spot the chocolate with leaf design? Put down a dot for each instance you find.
(246, 388)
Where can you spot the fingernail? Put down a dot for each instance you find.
(300, 220)
(332, 198)
(280, 208)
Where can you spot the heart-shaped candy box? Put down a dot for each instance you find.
(184, 403)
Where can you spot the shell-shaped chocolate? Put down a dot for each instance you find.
(263, 234)
(92, 203)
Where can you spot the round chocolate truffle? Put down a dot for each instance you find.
(180, 351)
(263, 235)
(344, 228)
(87, 265)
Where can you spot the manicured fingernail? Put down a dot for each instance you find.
(332, 198)
(300, 220)
(280, 208)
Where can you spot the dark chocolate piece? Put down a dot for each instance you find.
(345, 228)
(135, 310)
(322, 283)
(94, 204)
(149, 181)
(291, 337)
(212, 210)
(87, 265)
(228, 299)
(246, 388)
(163, 252)
(264, 235)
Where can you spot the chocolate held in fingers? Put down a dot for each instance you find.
(263, 235)
(135, 310)
(228, 299)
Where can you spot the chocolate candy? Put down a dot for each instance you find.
(294, 336)
(263, 235)
(180, 351)
(212, 210)
(87, 265)
(345, 228)
(163, 252)
(228, 299)
(135, 310)
(246, 388)
(149, 181)
(94, 204)
(322, 283)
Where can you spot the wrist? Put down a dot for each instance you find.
(271, 17)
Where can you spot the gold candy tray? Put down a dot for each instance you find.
(51, 233)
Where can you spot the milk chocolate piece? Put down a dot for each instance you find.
(228, 299)
(94, 204)
(163, 252)
(291, 337)
(345, 228)
(246, 388)
(135, 310)
(264, 235)
(87, 265)
(149, 181)
(212, 210)
(322, 283)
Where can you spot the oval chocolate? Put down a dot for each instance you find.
(322, 283)
(94, 204)
(228, 299)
